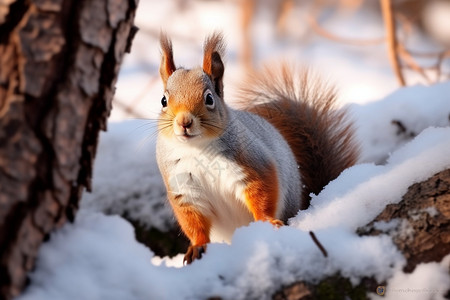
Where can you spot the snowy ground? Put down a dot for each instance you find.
(98, 257)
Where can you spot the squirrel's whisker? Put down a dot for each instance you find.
(225, 168)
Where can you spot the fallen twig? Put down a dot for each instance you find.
(319, 245)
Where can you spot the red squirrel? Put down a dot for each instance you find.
(224, 168)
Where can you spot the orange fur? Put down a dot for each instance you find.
(193, 223)
(167, 66)
(213, 44)
(214, 48)
(188, 99)
(261, 194)
(303, 111)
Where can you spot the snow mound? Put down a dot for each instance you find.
(97, 257)
(127, 181)
(385, 125)
(361, 192)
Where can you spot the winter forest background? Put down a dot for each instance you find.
(402, 116)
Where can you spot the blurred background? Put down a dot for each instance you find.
(368, 48)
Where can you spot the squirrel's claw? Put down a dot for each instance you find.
(277, 223)
(193, 253)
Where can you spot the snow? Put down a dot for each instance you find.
(377, 186)
(98, 257)
(427, 281)
(127, 180)
(416, 107)
(90, 260)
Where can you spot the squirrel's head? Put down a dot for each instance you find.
(192, 106)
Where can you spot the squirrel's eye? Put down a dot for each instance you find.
(209, 100)
(164, 101)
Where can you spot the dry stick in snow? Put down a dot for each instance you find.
(316, 241)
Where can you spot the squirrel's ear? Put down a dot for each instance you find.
(212, 60)
(167, 66)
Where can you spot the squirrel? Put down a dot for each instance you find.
(224, 168)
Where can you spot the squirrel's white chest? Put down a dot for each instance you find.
(212, 182)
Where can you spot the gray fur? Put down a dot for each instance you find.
(262, 144)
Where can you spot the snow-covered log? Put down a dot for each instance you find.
(419, 225)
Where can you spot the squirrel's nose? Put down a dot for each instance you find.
(185, 123)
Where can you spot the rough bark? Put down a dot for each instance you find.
(419, 227)
(59, 61)
(420, 223)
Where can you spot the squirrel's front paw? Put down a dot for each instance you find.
(277, 223)
(193, 253)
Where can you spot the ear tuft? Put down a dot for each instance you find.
(214, 49)
(167, 66)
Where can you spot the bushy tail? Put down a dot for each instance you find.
(303, 109)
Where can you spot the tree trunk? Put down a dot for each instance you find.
(59, 61)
